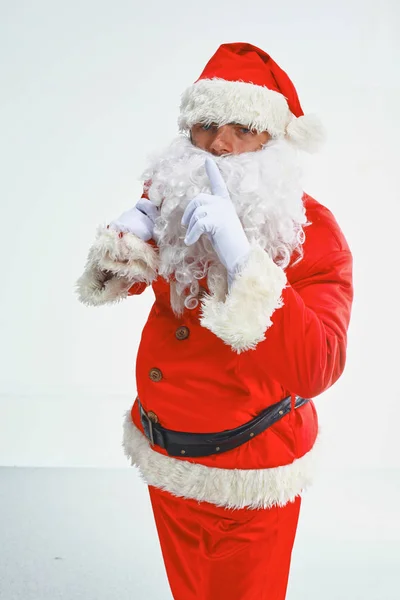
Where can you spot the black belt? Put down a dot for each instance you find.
(180, 443)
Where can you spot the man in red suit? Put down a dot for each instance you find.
(253, 291)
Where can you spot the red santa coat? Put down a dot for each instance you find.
(219, 365)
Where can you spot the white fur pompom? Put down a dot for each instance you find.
(306, 132)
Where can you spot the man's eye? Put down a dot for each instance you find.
(208, 127)
(245, 130)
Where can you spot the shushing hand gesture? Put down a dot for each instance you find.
(215, 215)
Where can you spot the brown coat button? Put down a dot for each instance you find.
(155, 375)
(182, 333)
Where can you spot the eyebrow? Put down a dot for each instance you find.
(232, 123)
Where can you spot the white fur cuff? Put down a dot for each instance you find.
(232, 488)
(243, 318)
(128, 258)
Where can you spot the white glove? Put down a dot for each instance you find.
(216, 216)
(138, 220)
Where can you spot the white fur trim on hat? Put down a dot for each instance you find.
(220, 101)
(256, 107)
(126, 256)
(231, 488)
(242, 319)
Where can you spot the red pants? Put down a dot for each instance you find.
(213, 553)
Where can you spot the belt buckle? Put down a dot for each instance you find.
(151, 418)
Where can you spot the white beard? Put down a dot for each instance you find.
(265, 188)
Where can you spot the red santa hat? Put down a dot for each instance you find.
(242, 84)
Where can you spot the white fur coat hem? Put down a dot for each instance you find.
(231, 488)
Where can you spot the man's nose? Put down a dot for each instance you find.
(222, 142)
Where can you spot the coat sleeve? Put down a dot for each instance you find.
(305, 346)
(118, 265)
(295, 325)
(137, 288)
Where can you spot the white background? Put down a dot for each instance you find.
(88, 90)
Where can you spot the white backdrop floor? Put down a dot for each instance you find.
(72, 534)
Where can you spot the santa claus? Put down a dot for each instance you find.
(253, 290)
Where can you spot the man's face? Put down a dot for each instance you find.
(227, 139)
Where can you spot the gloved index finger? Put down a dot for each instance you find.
(217, 183)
